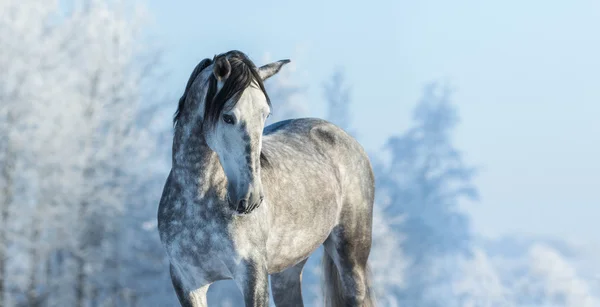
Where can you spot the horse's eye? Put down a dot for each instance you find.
(228, 119)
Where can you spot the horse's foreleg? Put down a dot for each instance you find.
(192, 298)
(183, 298)
(253, 280)
(287, 286)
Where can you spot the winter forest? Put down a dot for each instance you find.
(85, 145)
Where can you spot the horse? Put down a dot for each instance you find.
(244, 202)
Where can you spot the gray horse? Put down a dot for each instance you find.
(244, 202)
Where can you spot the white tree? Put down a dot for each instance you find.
(477, 283)
(337, 95)
(552, 280)
(69, 92)
(539, 277)
(28, 43)
(387, 260)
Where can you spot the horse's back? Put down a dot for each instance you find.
(344, 155)
(308, 135)
(317, 139)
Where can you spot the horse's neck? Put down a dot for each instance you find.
(193, 161)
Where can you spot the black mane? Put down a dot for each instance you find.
(199, 68)
(243, 74)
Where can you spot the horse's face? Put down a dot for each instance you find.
(236, 137)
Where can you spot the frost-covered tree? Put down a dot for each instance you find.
(475, 282)
(550, 280)
(337, 94)
(536, 275)
(29, 44)
(423, 181)
(70, 88)
(387, 261)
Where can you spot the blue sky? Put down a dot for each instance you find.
(526, 75)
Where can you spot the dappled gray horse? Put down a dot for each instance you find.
(242, 203)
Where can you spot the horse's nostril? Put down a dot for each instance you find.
(242, 206)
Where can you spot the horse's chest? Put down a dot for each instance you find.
(201, 244)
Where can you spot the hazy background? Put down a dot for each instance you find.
(480, 119)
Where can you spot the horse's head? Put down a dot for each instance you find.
(233, 112)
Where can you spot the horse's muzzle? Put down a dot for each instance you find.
(245, 206)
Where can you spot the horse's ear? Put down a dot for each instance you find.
(266, 71)
(221, 69)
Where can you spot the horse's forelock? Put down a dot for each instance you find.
(243, 74)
